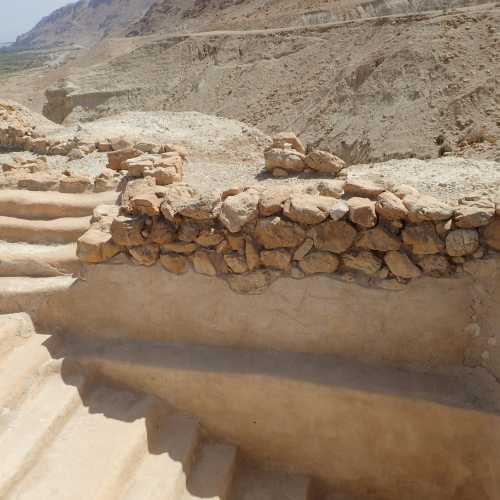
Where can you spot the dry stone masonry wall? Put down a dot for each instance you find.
(350, 229)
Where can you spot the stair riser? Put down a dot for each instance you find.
(354, 440)
(39, 269)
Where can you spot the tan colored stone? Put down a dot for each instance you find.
(319, 262)
(164, 176)
(202, 206)
(492, 235)
(333, 236)
(179, 247)
(402, 190)
(176, 197)
(401, 266)
(275, 232)
(117, 158)
(251, 254)
(285, 159)
(209, 237)
(362, 212)
(148, 147)
(272, 200)
(461, 242)
(39, 182)
(96, 246)
(238, 210)
(176, 148)
(390, 207)
(236, 263)
(279, 173)
(276, 259)
(283, 139)
(161, 232)
(174, 263)
(146, 203)
(251, 283)
(422, 239)
(378, 239)
(330, 187)
(435, 265)
(145, 255)
(303, 249)
(324, 162)
(136, 166)
(74, 184)
(364, 188)
(475, 215)
(363, 261)
(202, 263)
(424, 207)
(127, 230)
(308, 209)
(188, 231)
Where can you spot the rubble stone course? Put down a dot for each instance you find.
(251, 236)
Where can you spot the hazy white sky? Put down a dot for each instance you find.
(19, 16)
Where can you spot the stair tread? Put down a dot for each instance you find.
(25, 431)
(252, 483)
(60, 230)
(212, 472)
(50, 205)
(91, 449)
(162, 472)
(37, 260)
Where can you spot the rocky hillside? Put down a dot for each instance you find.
(84, 23)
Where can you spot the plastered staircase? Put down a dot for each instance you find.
(66, 434)
(38, 233)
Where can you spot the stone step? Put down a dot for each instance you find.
(26, 294)
(252, 483)
(27, 430)
(51, 205)
(162, 472)
(309, 413)
(91, 450)
(65, 230)
(38, 261)
(212, 473)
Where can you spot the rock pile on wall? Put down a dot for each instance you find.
(251, 236)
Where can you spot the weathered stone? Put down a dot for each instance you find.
(126, 230)
(164, 176)
(423, 207)
(276, 259)
(232, 191)
(119, 143)
(38, 182)
(492, 235)
(117, 158)
(176, 148)
(319, 262)
(238, 210)
(435, 265)
(176, 197)
(333, 236)
(145, 255)
(209, 237)
(75, 154)
(304, 249)
(461, 242)
(189, 231)
(475, 215)
(96, 246)
(339, 210)
(363, 188)
(390, 207)
(74, 184)
(174, 263)
(274, 232)
(378, 239)
(146, 203)
(324, 162)
(136, 166)
(236, 263)
(203, 264)
(272, 200)
(179, 247)
(203, 206)
(362, 212)
(402, 190)
(363, 261)
(283, 139)
(161, 232)
(401, 266)
(279, 173)
(251, 254)
(422, 239)
(331, 188)
(251, 283)
(148, 147)
(236, 242)
(308, 209)
(285, 159)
